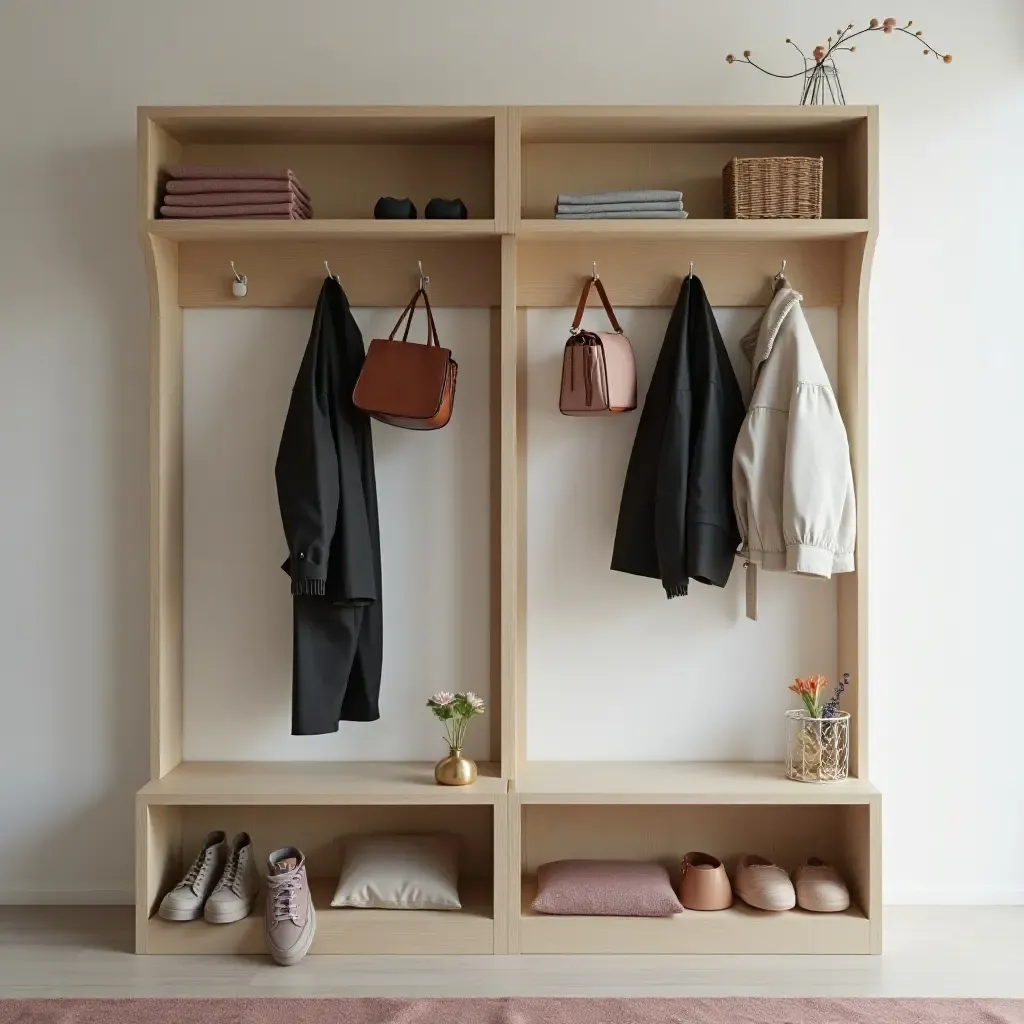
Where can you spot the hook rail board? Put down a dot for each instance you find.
(508, 164)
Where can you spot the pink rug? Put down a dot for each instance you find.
(511, 1011)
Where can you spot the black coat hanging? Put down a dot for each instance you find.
(676, 518)
(327, 494)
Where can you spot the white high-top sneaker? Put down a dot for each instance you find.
(235, 893)
(186, 900)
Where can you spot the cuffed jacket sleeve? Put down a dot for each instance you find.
(307, 470)
(818, 513)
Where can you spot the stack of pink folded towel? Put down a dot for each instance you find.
(253, 193)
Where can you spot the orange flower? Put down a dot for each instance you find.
(819, 53)
(948, 59)
(889, 22)
(729, 58)
(887, 29)
(874, 23)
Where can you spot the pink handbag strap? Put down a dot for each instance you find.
(578, 319)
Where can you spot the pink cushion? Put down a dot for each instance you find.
(606, 888)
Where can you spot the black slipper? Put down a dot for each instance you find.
(388, 208)
(446, 209)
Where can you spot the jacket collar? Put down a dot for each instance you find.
(757, 344)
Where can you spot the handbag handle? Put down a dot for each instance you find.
(409, 312)
(578, 319)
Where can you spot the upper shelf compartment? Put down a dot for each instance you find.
(345, 157)
(601, 149)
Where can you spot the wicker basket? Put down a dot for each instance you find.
(772, 186)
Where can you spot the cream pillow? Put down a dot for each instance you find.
(400, 873)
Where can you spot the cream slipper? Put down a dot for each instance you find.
(762, 884)
(820, 888)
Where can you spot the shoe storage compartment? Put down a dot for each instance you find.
(683, 149)
(173, 834)
(786, 833)
(345, 163)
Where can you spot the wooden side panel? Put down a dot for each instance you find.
(166, 526)
(862, 842)
(515, 168)
(858, 178)
(157, 150)
(496, 710)
(515, 865)
(374, 273)
(853, 404)
(158, 863)
(518, 553)
(695, 169)
(504, 868)
(510, 619)
(648, 273)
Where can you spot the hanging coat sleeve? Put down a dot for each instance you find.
(307, 477)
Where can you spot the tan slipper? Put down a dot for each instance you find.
(705, 885)
(820, 888)
(762, 884)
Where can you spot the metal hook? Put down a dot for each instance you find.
(690, 275)
(424, 280)
(240, 284)
(779, 277)
(333, 277)
(593, 276)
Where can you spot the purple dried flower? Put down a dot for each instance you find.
(832, 706)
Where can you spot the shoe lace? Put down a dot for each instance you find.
(284, 891)
(196, 872)
(227, 880)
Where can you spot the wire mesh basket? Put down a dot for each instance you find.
(817, 749)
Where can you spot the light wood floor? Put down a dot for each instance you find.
(931, 951)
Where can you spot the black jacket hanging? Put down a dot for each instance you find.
(327, 493)
(676, 519)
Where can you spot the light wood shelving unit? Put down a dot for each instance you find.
(508, 164)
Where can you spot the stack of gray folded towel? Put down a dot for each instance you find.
(645, 204)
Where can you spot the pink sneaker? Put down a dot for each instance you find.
(290, 920)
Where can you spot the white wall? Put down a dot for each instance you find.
(641, 677)
(433, 492)
(945, 367)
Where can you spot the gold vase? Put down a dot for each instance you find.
(455, 770)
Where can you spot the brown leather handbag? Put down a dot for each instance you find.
(598, 369)
(406, 384)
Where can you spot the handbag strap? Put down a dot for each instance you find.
(409, 312)
(578, 319)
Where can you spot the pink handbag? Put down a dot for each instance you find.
(598, 370)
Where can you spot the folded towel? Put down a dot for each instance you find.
(278, 210)
(217, 171)
(195, 185)
(653, 215)
(621, 208)
(235, 199)
(649, 195)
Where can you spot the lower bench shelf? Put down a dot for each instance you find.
(470, 930)
(741, 929)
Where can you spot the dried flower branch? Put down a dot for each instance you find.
(820, 71)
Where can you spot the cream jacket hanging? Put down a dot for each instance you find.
(792, 481)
